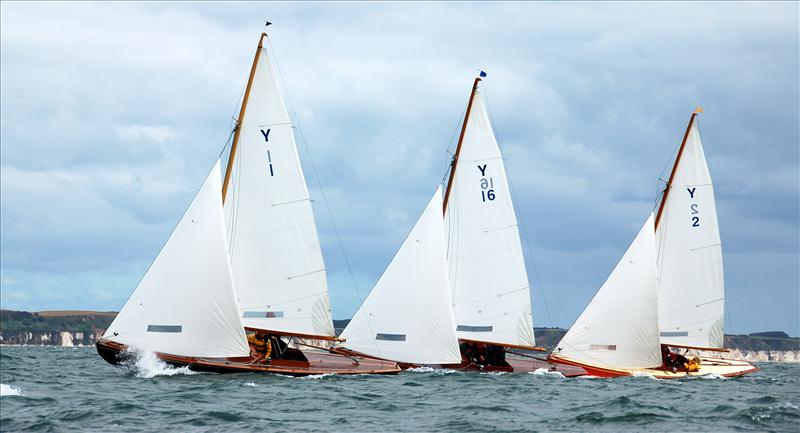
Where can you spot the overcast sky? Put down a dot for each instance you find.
(113, 113)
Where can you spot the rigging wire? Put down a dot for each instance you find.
(522, 224)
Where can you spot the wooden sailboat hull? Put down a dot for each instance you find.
(709, 366)
(318, 362)
(515, 364)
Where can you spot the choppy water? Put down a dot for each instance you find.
(72, 389)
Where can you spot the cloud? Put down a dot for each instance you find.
(112, 114)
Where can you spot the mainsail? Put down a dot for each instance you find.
(407, 316)
(186, 303)
(491, 295)
(689, 253)
(274, 248)
(619, 327)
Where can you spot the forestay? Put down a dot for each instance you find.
(491, 295)
(407, 316)
(689, 255)
(619, 327)
(186, 303)
(274, 249)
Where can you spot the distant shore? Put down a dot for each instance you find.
(83, 328)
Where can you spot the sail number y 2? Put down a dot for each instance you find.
(487, 185)
(695, 212)
(269, 157)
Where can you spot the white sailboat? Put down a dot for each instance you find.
(667, 291)
(253, 263)
(489, 282)
(407, 316)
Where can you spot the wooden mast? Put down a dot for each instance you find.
(454, 162)
(697, 111)
(239, 121)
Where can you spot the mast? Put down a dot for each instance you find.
(242, 111)
(458, 147)
(697, 111)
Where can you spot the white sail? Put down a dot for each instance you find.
(491, 295)
(274, 248)
(186, 303)
(619, 327)
(407, 316)
(689, 255)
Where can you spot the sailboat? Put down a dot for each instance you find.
(667, 290)
(490, 291)
(241, 285)
(407, 316)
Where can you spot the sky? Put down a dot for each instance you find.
(111, 115)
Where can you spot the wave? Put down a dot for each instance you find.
(146, 365)
(9, 391)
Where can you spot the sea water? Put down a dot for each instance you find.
(72, 389)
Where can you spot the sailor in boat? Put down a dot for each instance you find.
(677, 362)
(260, 346)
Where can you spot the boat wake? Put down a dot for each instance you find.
(8, 390)
(146, 365)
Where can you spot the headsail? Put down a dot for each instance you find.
(689, 254)
(619, 327)
(274, 248)
(186, 303)
(407, 316)
(491, 294)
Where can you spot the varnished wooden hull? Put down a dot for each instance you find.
(516, 364)
(709, 366)
(319, 362)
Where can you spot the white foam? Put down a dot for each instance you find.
(425, 369)
(644, 374)
(147, 365)
(546, 372)
(251, 384)
(713, 376)
(317, 376)
(8, 390)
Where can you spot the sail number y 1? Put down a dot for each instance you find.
(269, 157)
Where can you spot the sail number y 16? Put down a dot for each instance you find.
(487, 185)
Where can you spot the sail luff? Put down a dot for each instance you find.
(242, 112)
(454, 163)
(674, 168)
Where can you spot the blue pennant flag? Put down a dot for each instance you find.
(482, 74)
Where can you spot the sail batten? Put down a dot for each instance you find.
(486, 265)
(275, 252)
(407, 315)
